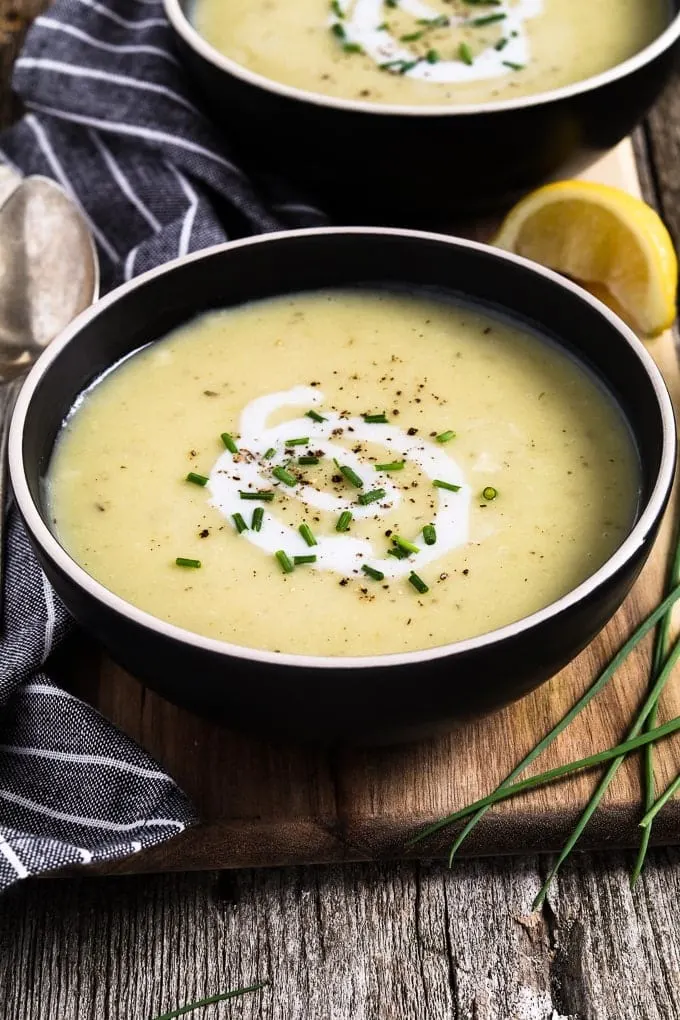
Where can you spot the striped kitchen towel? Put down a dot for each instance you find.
(111, 117)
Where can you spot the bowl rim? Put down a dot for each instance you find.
(184, 28)
(65, 563)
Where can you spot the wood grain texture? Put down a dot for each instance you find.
(274, 804)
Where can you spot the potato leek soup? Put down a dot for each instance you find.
(418, 52)
(348, 472)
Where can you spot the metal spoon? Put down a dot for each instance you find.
(49, 273)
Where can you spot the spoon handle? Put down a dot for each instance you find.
(8, 395)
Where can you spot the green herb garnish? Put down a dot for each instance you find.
(269, 453)
(440, 22)
(258, 517)
(182, 561)
(314, 416)
(287, 565)
(222, 997)
(377, 575)
(439, 484)
(402, 543)
(501, 44)
(307, 534)
(196, 478)
(371, 497)
(489, 493)
(418, 583)
(308, 460)
(228, 441)
(395, 465)
(429, 534)
(400, 67)
(432, 57)
(337, 9)
(264, 495)
(391, 3)
(488, 19)
(512, 66)
(239, 523)
(302, 441)
(284, 476)
(352, 47)
(298, 560)
(344, 521)
(351, 476)
(338, 30)
(375, 419)
(445, 437)
(399, 554)
(412, 36)
(465, 54)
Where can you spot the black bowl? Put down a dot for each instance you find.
(416, 166)
(381, 698)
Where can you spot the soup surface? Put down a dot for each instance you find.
(376, 412)
(417, 52)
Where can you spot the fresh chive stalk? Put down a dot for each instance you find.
(314, 416)
(182, 561)
(489, 493)
(445, 437)
(308, 460)
(479, 809)
(412, 36)
(398, 553)
(269, 453)
(439, 484)
(408, 547)
(307, 534)
(375, 419)
(228, 441)
(222, 997)
(465, 54)
(299, 560)
(351, 476)
(418, 583)
(337, 9)
(196, 478)
(487, 19)
(258, 517)
(338, 30)
(262, 495)
(239, 523)
(513, 66)
(284, 476)
(432, 56)
(395, 465)
(297, 442)
(429, 534)
(344, 521)
(285, 562)
(376, 575)
(371, 497)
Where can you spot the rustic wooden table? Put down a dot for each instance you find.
(366, 942)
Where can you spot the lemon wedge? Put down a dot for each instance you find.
(611, 243)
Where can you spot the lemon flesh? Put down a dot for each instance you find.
(612, 243)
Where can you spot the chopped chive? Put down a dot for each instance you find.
(445, 437)
(269, 453)
(400, 66)
(439, 484)
(284, 476)
(196, 479)
(383, 27)
(412, 36)
(297, 560)
(371, 497)
(337, 9)
(239, 523)
(338, 30)
(488, 19)
(314, 416)
(391, 3)
(395, 465)
(402, 543)
(489, 493)
(344, 521)
(229, 442)
(352, 47)
(297, 442)
(265, 495)
(351, 476)
(483, 3)
(501, 44)
(375, 419)
(399, 554)
(418, 583)
(465, 54)
(182, 561)
(439, 22)
(308, 460)
(307, 534)
(432, 57)
(287, 565)
(377, 575)
(513, 66)
(258, 517)
(429, 534)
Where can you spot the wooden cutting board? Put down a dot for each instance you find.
(265, 803)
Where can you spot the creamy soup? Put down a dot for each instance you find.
(344, 473)
(429, 51)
